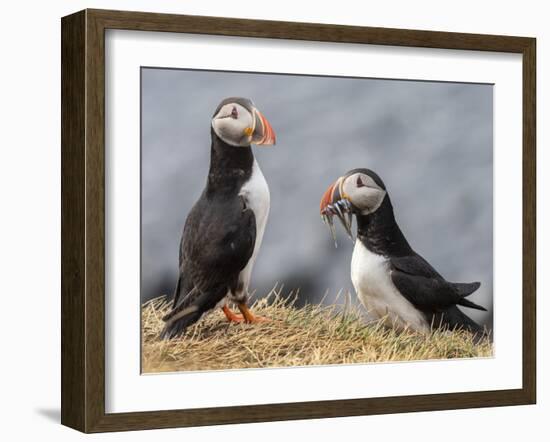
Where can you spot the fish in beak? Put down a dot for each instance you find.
(262, 133)
(335, 203)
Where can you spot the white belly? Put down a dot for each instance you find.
(370, 274)
(256, 193)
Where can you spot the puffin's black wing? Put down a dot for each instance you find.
(414, 265)
(426, 289)
(217, 242)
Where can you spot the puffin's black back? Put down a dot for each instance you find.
(217, 241)
(230, 168)
(380, 233)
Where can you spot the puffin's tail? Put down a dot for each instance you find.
(466, 289)
(179, 322)
(454, 319)
(184, 312)
(189, 311)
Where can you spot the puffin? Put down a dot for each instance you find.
(394, 283)
(223, 231)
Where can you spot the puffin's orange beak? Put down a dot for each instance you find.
(334, 202)
(326, 199)
(263, 132)
(331, 195)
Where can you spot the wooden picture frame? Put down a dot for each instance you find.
(83, 219)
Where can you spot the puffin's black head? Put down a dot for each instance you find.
(360, 192)
(239, 123)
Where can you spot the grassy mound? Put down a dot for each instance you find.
(311, 335)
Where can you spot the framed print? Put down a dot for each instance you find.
(212, 172)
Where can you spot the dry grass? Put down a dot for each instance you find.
(311, 335)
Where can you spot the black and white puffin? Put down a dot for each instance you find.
(224, 229)
(393, 282)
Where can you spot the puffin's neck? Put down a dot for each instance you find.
(230, 166)
(380, 233)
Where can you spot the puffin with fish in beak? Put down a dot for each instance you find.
(392, 281)
(224, 229)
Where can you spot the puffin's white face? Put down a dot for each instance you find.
(239, 126)
(362, 192)
(359, 192)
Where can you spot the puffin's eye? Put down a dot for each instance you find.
(234, 113)
(360, 182)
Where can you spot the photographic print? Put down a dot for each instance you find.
(260, 203)
(295, 220)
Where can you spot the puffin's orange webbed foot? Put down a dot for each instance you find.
(231, 317)
(250, 318)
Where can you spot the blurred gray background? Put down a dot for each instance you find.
(431, 142)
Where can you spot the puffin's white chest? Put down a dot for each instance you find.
(256, 193)
(371, 277)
